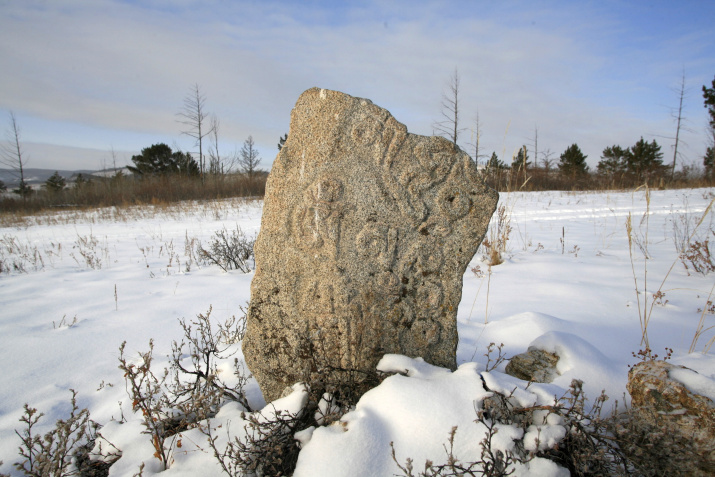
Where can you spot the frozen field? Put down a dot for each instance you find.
(76, 285)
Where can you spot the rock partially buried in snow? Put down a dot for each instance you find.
(366, 233)
(683, 399)
(535, 365)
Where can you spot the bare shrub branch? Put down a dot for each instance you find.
(229, 250)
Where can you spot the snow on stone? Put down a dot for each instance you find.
(695, 382)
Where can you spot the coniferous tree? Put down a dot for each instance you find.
(80, 181)
(709, 103)
(613, 161)
(55, 183)
(23, 189)
(644, 159)
(495, 163)
(709, 161)
(185, 165)
(160, 159)
(521, 160)
(572, 162)
(709, 97)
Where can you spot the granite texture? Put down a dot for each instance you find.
(366, 233)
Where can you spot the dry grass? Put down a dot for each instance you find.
(117, 199)
(217, 209)
(540, 179)
(638, 240)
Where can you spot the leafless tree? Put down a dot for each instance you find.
(548, 160)
(477, 137)
(193, 115)
(219, 164)
(249, 158)
(448, 126)
(536, 145)
(215, 166)
(11, 155)
(679, 118)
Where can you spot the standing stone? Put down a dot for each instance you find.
(365, 236)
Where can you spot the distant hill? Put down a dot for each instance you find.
(39, 176)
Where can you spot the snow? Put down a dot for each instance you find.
(694, 382)
(94, 279)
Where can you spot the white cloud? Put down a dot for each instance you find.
(123, 68)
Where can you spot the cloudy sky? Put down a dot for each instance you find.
(84, 77)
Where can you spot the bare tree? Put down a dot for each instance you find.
(249, 158)
(215, 166)
(547, 160)
(536, 145)
(219, 164)
(448, 126)
(679, 120)
(193, 115)
(11, 155)
(477, 136)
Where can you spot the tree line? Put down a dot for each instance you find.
(204, 129)
(159, 158)
(618, 166)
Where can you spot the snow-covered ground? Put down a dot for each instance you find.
(89, 281)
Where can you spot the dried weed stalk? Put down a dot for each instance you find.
(205, 346)
(170, 403)
(268, 447)
(638, 237)
(64, 450)
(499, 232)
(149, 397)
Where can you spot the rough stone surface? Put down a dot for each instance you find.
(692, 415)
(365, 235)
(535, 365)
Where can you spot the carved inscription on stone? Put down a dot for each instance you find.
(366, 233)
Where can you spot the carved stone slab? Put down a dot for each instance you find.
(365, 235)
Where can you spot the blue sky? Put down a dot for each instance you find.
(86, 76)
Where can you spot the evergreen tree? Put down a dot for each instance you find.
(160, 159)
(495, 163)
(709, 161)
(23, 190)
(613, 161)
(644, 159)
(55, 183)
(184, 164)
(709, 97)
(709, 158)
(80, 181)
(572, 162)
(3, 187)
(521, 160)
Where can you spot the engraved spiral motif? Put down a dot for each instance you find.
(372, 240)
(454, 201)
